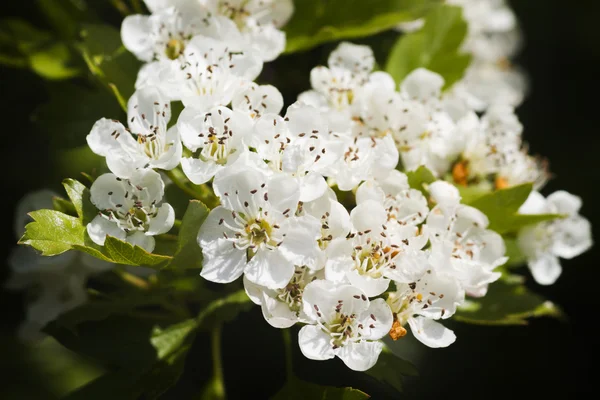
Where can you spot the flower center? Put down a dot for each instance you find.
(292, 293)
(374, 257)
(174, 48)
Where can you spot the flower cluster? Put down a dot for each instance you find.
(316, 214)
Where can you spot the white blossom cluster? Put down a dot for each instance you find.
(350, 271)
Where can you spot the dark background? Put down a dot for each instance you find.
(547, 359)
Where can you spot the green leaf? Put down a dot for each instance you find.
(514, 253)
(145, 358)
(419, 178)
(125, 253)
(53, 232)
(189, 253)
(502, 206)
(80, 197)
(108, 60)
(63, 205)
(224, 309)
(296, 389)
(316, 21)
(390, 369)
(436, 47)
(37, 49)
(508, 302)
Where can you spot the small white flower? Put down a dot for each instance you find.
(404, 206)
(345, 324)
(299, 146)
(256, 100)
(258, 21)
(545, 242)
(255, 231)
(426, 134)
(208, 74)
(130, 209)
(162, 35)
(373, 254)
(461, 245)
(216, 137)
(283, 307)
(146, 143)
(431, 297)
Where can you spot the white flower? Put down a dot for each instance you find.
(346, 325)
(282, 308)
(461, 246)
(433, 296)
(209, 73)
(545, 242)
(258, 21)
(426, 134)
(146, 143)
(130, 209)
(162, 35)
(334, 218)
(256, 100)
(255, 230)
(334, 88)
(216, 137)
(404, 206)
(372, 254)
(298, 145)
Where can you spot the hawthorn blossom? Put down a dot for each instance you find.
(461, 245)
(146, 143)
(343, 323)
(209, 73)
(256, 100)
(282, 308)
(258, 21)
(298, 145)
(372, 254)
(545, 242)
(130, 209)
(216, 137)
(419, 304)
(426, 134)
(255, 231)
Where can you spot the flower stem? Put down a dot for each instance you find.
(121, 7)
(132, 279)
(181, 185)
(218, 383)
(287, 343)
(137, 6)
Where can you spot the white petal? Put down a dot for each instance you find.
(110, 137)
(431, 333)
(269, 268)
(545, 269)
(140, 239)
(214, 227)
(277, 313)
(100, 227)
(371, 286)
(300, 244)
(422, 85)
(163, 222)
(224, 263)
(151, 183)
(382, 322)
(368, 215)
(136, 36)
(253, 291)
(535, 204)
(444, 193)
(284, 193)
(352, 57)
(360, 356)
(199, 171)
(564, 202)
(312, 186)
(573, 236)
(314, 343)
